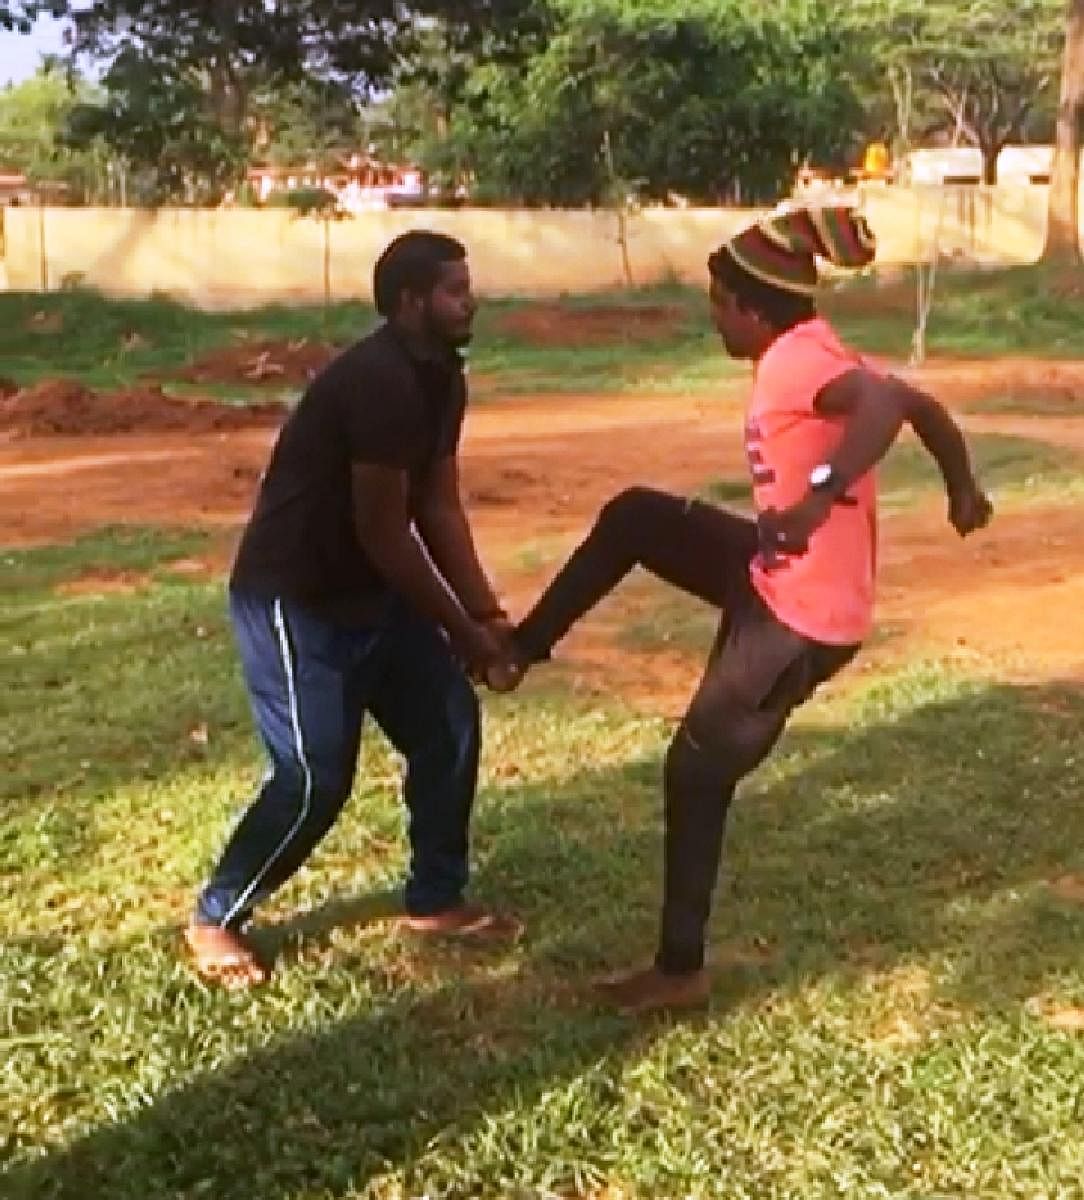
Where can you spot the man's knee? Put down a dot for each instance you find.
(691, 766)
(318, 781)
(718, 746)
(627, 510)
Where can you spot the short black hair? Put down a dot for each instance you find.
(781, 309)
(412, 263)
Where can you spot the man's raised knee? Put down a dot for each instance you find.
(627, 509)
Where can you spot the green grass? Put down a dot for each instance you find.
(733, 491)
(1023, 310)
(1026, 311)
(90, 343)
(26, 573)
(536, 553)
(883, 908)
(684, 355)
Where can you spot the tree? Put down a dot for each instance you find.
(309, 119)
(160, 124)
(186, 79)
(974, 67)
(712, 99)
(33, 117)
(1063, 229)
(236, 42)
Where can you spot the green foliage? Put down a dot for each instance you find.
(158, 121)
(307, 201)
(969, 69)
(714, 100)
(33, 115)
(187, 82)
(305, 120)
(361, 41)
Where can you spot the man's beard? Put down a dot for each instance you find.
(438, 333)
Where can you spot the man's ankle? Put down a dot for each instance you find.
(677, 965)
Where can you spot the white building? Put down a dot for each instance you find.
(963, 164)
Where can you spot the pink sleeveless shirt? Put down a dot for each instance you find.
(827, 593)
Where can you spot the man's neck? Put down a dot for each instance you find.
(775, 334)
(769, 341)
(421, 345)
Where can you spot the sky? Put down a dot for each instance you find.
(20, 53)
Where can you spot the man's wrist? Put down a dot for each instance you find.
(818, 500)
(826, 481)
(462, 627)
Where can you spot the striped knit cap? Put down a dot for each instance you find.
(782, 249)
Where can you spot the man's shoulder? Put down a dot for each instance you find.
(811, 339)
(802, 358)
(379, 349)
(375, 359)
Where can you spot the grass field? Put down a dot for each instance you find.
(884, 921)
(899, 990)
(110, 343)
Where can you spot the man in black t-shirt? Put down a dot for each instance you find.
(357, 589)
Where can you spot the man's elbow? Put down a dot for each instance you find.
(915, 407)
(879, 413)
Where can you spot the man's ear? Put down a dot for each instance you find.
(411, 302)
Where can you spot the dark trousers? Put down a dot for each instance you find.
(758, 671)
(311, 683)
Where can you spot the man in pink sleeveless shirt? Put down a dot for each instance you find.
(795, 585)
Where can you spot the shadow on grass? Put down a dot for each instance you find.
(926, 831)
(331, 1109)
(277, 944)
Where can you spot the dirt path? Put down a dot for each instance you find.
(535, 471)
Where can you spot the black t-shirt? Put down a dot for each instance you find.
(378, 402)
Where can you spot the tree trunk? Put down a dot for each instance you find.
(1062, 231)
(989, 163)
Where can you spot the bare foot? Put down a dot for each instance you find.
(467, 921)
(634, 992)
(223, 956)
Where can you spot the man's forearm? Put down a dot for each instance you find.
(401, 560)
(942, 437)
(447, 535)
